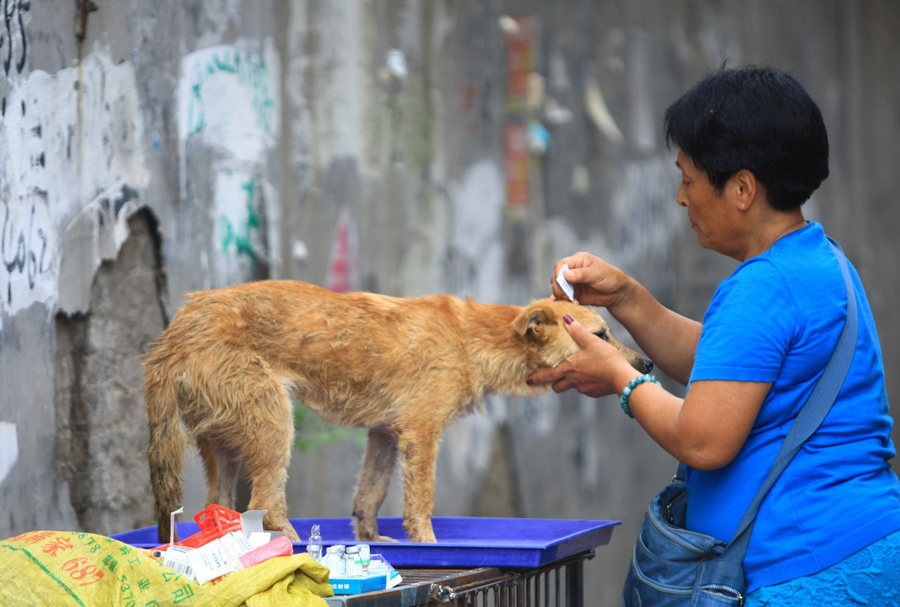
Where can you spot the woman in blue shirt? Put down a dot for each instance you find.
(752, 148)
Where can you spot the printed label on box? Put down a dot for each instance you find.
(212, 560)
(177, 558)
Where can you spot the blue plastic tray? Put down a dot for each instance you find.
(462, 541)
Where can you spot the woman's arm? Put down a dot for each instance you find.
(666, 337)
(705, 430)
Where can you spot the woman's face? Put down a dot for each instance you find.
(707, 209)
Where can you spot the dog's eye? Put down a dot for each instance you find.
(602, 334)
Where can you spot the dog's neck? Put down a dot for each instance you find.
(497, 351)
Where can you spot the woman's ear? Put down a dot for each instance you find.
(746, 188)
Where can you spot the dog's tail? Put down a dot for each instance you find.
(165, 451)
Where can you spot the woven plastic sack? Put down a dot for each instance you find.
(71, 568)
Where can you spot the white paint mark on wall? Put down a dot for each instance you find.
(238, 224)
(478, 232)
(9, 448)
(228, 100)
(73, 161)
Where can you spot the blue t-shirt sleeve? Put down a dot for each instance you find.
(748, 327)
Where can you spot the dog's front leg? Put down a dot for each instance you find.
(374, 480)
(418, 457)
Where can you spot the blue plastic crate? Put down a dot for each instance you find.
(462, 541)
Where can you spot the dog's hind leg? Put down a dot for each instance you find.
(211, 466)
(268, 421)
(221, 473)
(374, 480)
(418, 457)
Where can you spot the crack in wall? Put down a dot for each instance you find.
(101, 429)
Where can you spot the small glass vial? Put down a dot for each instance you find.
(334, 560)
(364, 558)
(314, 547)
(354, 565)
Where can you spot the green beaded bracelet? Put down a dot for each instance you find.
(634, 383)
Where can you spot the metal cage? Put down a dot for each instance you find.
(559, 584)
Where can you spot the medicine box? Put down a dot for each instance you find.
(357, 585)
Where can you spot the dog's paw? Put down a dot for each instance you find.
(384, 538)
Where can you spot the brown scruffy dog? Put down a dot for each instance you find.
(225, 370)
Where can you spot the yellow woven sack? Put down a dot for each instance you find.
(72, 568)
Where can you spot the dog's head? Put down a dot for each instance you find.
(542, 322)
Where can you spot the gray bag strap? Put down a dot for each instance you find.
(811, 415)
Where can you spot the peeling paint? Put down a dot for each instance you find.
(74, 167)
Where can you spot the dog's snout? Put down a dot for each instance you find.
(641, 363)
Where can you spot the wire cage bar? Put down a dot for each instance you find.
(559, 584)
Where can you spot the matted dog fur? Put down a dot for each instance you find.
(225, 371)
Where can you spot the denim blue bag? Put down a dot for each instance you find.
(674, 567)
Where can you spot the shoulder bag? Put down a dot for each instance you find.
(674, 567)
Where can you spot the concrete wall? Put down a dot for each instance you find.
(380, 145)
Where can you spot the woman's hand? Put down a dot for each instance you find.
(668, 338)
(596, 282)
(596, 370)
(706, 431)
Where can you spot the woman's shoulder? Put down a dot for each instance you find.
(758, 278)
(799, 261)
(796, 284)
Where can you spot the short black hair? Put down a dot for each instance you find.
(754, 118)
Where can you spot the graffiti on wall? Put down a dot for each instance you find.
(73, 166)
(237, 233)
(520, 46)
(27, 246)
(239, 228)
(228, 99)
(227, 86)
(13, 41)
(342, 275)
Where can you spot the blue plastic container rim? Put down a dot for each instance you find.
(462, 541)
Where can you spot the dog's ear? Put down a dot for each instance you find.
(532, 321)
